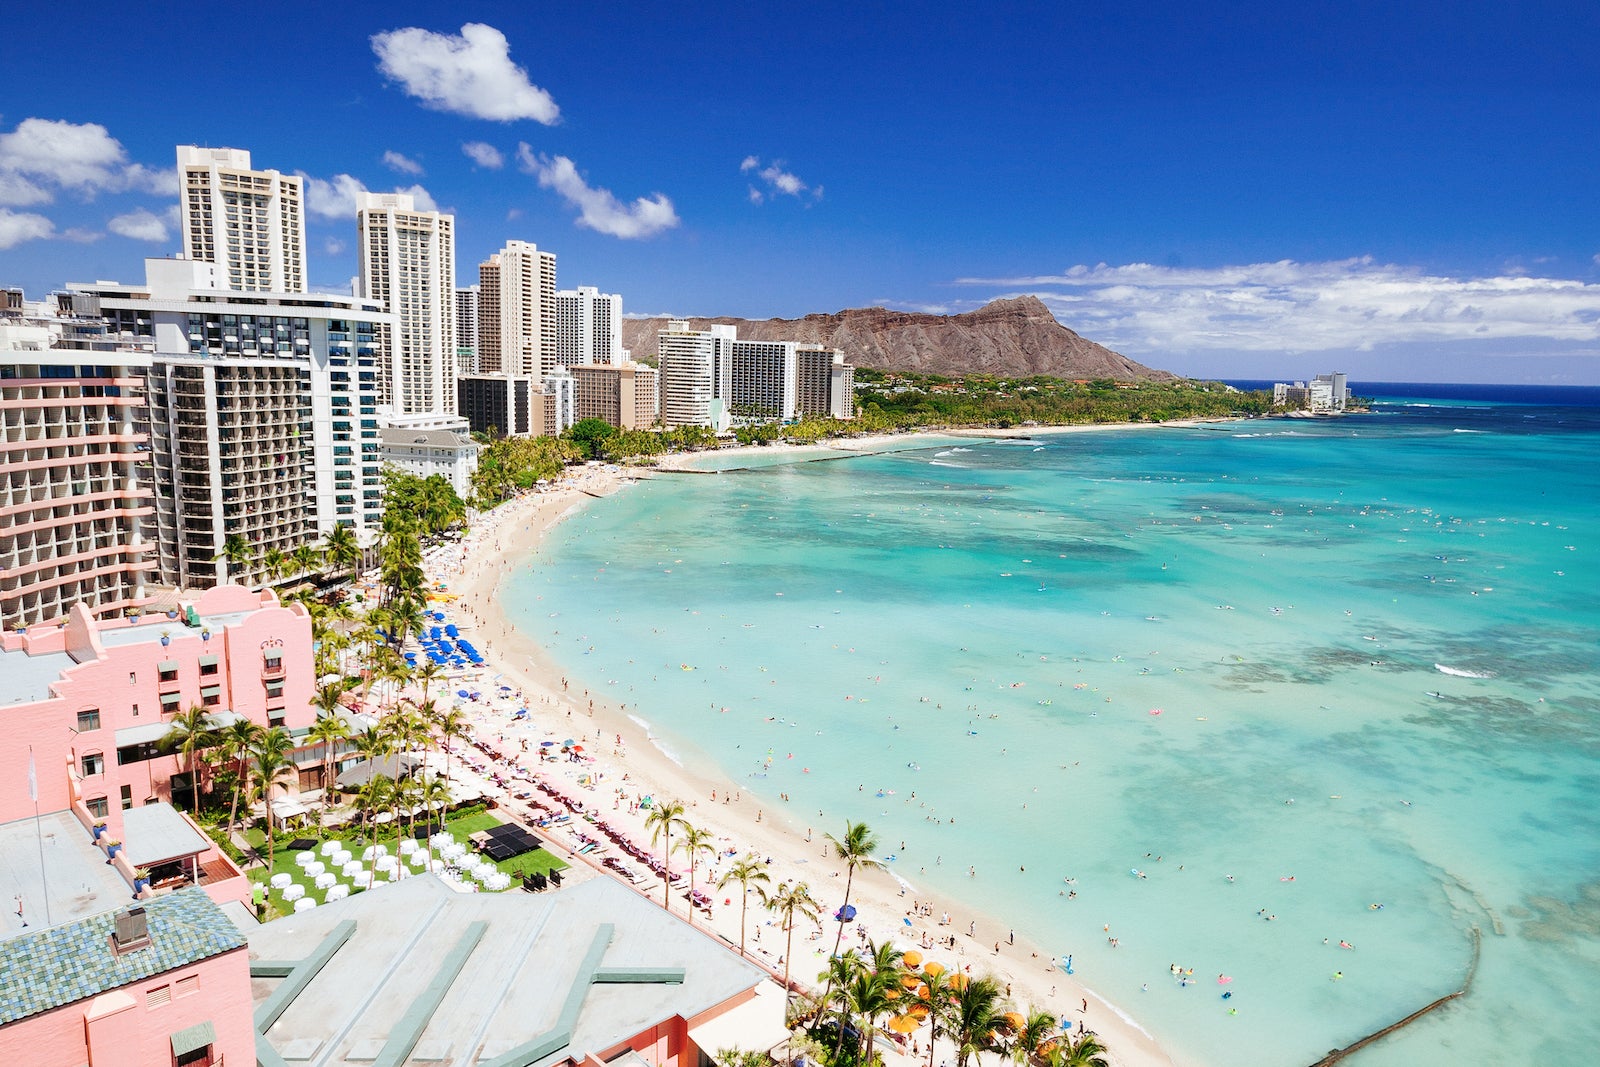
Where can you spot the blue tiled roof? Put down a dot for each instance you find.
(73, 962)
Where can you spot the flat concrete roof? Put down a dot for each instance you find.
(526, 972)
(75, 875)
(25, 679)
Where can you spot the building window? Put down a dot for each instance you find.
(133, 679)
(274, 690)
(88, 719)
(273, 663)
(211, 700)
(93, 763)
(98, 807)
(127, 754)
(208, 668)
(127, 797)
(170, 676)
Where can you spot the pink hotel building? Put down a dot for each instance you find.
(87, 703)
(85, 793)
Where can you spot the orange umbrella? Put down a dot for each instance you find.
(918, 1012)
(891, 994)
(933, 969)
(958, 981)
(910, 981)
(912, 960)
(1015, 1020)
(902, 1024)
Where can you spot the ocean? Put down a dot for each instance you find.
(1257, 689)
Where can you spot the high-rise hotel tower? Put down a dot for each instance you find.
(408, 262)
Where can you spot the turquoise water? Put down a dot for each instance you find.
(994, 625)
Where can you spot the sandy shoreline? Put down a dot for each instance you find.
(627, 766)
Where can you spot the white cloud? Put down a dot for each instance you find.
(599, 209)
(82, 236)
(19, 226)
(20, 192)
(1351, 304)
(404, 164)
(1597, 259)
(162, 181)
(335, 198)
(140, 225)
(484, 154)
(468, 74)
(332, 246)
(777, 179)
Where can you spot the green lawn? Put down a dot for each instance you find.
(539, 861)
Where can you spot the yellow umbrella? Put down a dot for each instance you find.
(918, 1012)
(934, 969)
(958, 981)
(912, 960)
(910, 981)
(1015, 1020)
(902, 1024)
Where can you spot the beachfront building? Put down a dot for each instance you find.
(451, 454)
(712, 378)
(588, 327)
(73, 506)
(623, 394)
(87, 705)
(824, 383)
(500, 405)
(517, 311)
(467, 328)
(696, 367)
(408, 265)
(1326, 394)
(588, 975)
(261, 415)
(249, 223)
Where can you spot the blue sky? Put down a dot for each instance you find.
(1402, 191)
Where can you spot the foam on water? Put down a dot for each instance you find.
(1307, 733)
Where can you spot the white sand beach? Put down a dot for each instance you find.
(620, 766)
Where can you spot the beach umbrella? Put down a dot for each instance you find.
(846, 913)
(912, 960)
(1015, 1020)
(568, 743)
(462, 693)
(903, 1024)
(547, 744)
(577, 748)
(910, 981)
(934, 969)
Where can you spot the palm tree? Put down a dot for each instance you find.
(746, 870)
(855, 848)
(790, 899)
(1085, 1051)
(330, 730)
(842, 970)
(272, 768)
(872, 990)
(237, 740)
(326, 700)
(237, 552)
(664, 815)
(435, 794)
(975, 1013)
(1037, 1032)
(188, 735)
(934, 997)
(451, 726)
(342, 548)
(274, 560)
(379, 792)
(427, 674)
(305, 559)
(695, 841)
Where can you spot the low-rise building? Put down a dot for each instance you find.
(448, 453)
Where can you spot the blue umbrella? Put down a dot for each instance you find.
(846, 913)
(462, 693)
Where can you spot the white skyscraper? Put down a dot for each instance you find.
(588, 327)
(250, 223)
(517, 311)
(408, 261)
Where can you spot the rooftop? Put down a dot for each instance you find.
(553, 975)
(26, 679)
(74, 961)
(74, 877)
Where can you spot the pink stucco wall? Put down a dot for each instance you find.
(126, 1028)
(122, 681)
